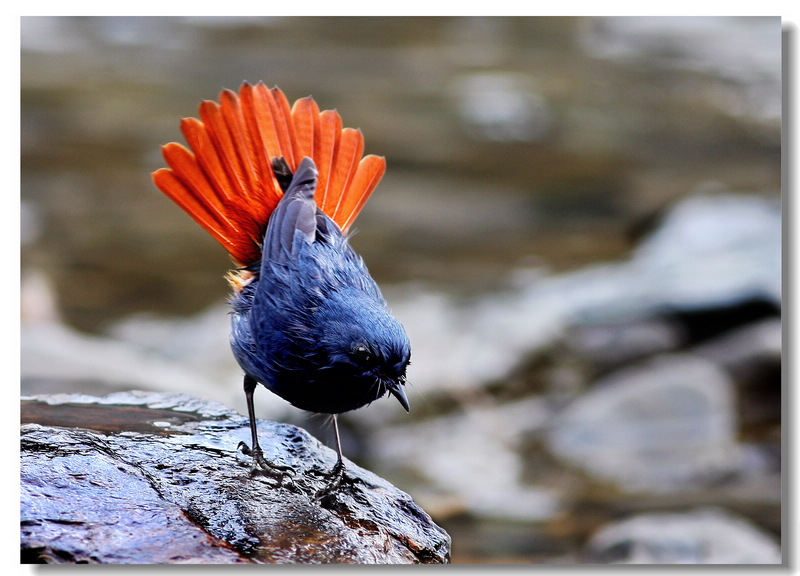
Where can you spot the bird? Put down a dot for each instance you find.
(279, 187)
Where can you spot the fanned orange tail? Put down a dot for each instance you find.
(225, 182)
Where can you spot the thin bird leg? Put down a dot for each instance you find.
(250, 384)
(337, 472)
(339, 462)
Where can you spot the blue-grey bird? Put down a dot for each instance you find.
(279, 187)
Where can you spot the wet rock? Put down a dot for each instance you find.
(705, 536)
(84, 506)
(154, 478)
(664, 425)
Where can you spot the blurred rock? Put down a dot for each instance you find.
(471, 460)
(705, 536)
(155, 478)
(760, 342)
(711, 252)
(714, 250)
(53, 352)
(663, 425)
(611, 345)
(752, 356)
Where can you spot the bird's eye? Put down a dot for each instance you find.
(361, 354)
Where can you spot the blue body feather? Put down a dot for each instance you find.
(313, 326)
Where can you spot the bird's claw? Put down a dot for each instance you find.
(269, 468)
(336, 476)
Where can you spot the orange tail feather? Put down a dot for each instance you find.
(224, 181)
(305, 117)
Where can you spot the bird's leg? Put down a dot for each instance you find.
(250, 384)
(337, 473)
(338, 468)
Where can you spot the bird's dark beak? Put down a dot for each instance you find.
(396, 389)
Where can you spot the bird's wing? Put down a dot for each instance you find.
(225, 180)
(296, 212)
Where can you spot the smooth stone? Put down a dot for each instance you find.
(149, 478)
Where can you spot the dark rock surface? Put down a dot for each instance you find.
(153, 478)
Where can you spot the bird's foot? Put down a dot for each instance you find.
(270, 469)
(335, 477)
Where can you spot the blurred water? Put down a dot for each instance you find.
(527, 159)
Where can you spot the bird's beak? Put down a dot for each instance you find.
(396, 389)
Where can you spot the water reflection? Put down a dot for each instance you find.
(522, 234)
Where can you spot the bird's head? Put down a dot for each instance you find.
(363, 341)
